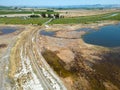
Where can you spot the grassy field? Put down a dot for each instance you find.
(3, 12)
(74, 20)
(87, 19)
(21, 20)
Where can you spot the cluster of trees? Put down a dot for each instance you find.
(47, 14)
(34, 16)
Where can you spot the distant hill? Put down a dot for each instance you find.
(87, 6)
(81, 6)
(96, 6)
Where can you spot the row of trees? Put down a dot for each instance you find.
(45, 15)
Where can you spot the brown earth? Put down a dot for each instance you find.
(81, 66)
(83, 12)
(6, 39)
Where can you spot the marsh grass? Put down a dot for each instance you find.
(56, 63)
(109, 68)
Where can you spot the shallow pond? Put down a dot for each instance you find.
(84, 29)
(107, 36)
(47, 33)
(7, 30)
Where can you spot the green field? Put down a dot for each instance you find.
(21, 20)
(3, 12)
(75, 20)
(87, 19)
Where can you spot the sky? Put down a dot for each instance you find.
(55, 2)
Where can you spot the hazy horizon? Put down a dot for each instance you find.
(55, 2)
(52, 5)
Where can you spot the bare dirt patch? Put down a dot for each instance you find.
(82, 12)
(88, 64)
(6, 39)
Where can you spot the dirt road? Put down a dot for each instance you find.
(24, 68)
